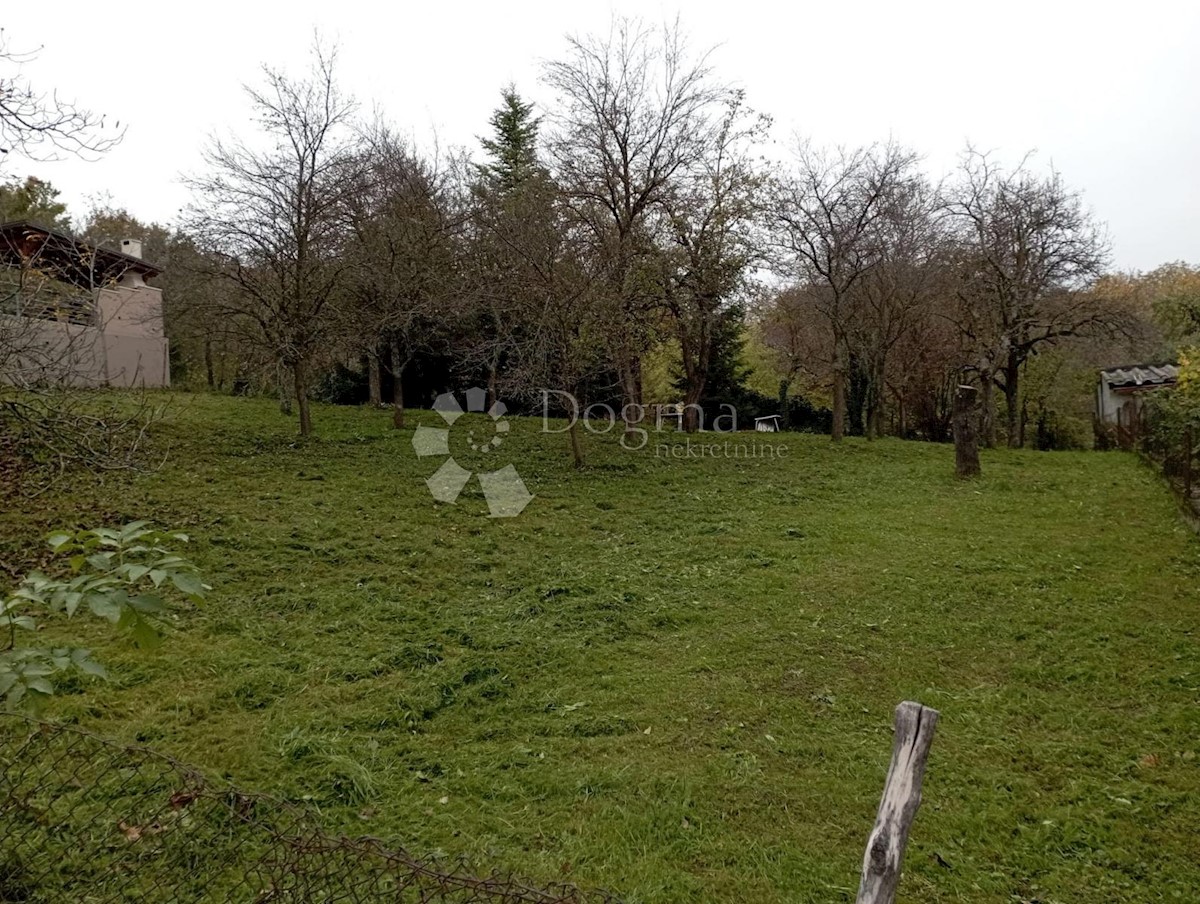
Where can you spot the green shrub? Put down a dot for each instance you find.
(123, 575)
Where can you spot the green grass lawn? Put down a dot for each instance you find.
(673, 678)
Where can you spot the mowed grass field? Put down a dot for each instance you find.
(672, 678)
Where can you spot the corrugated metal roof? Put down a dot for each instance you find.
(1140, 375)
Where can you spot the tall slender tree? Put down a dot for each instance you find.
(710, 244)
(405, 219)
(510, 184)
(272, 212)
(635, 109)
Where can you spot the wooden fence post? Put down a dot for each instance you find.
(901, 798)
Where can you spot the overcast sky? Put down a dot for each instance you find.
(1107, 93)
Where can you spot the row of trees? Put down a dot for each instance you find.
(636, 221)
(639, 214)
(562, 261)
(905, 289)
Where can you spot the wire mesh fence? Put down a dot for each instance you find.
(83, 819)
(1166, 439)
(1177, 458)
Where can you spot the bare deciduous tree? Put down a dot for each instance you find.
(827, 214)
(1027, 250)
(925, 366)
(406, 219)
(273, 212)
(898, 290)
(711, 214)
(636, 110)
(550, 281)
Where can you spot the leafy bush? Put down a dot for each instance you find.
(1170, 416)
(342, 386)
(1056, 432)
(125, 576)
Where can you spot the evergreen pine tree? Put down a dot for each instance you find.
(513, 147)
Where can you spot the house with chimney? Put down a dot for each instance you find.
(78, 314)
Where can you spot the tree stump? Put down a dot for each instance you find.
(966, 438)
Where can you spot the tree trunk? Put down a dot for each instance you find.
(875, 388)
(966, 446)
(839, 393)
(300, 376)
(1012, 398)
(875, 405)
(881, 387)
(493, 394)
(374, 380)
(397, 387)
(208, 364)
(884, 856)
(901, 415)
(576, 446)
(784, 419)
(285, 391)
(987, 421)
(691, 408)
(631, 389)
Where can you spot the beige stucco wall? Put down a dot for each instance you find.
(38, 352)
(127, 348)
(131, 311)
(135, 345)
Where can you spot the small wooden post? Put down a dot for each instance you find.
(901, 798)
(966, 443)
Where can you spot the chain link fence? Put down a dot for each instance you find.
(83, 819)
